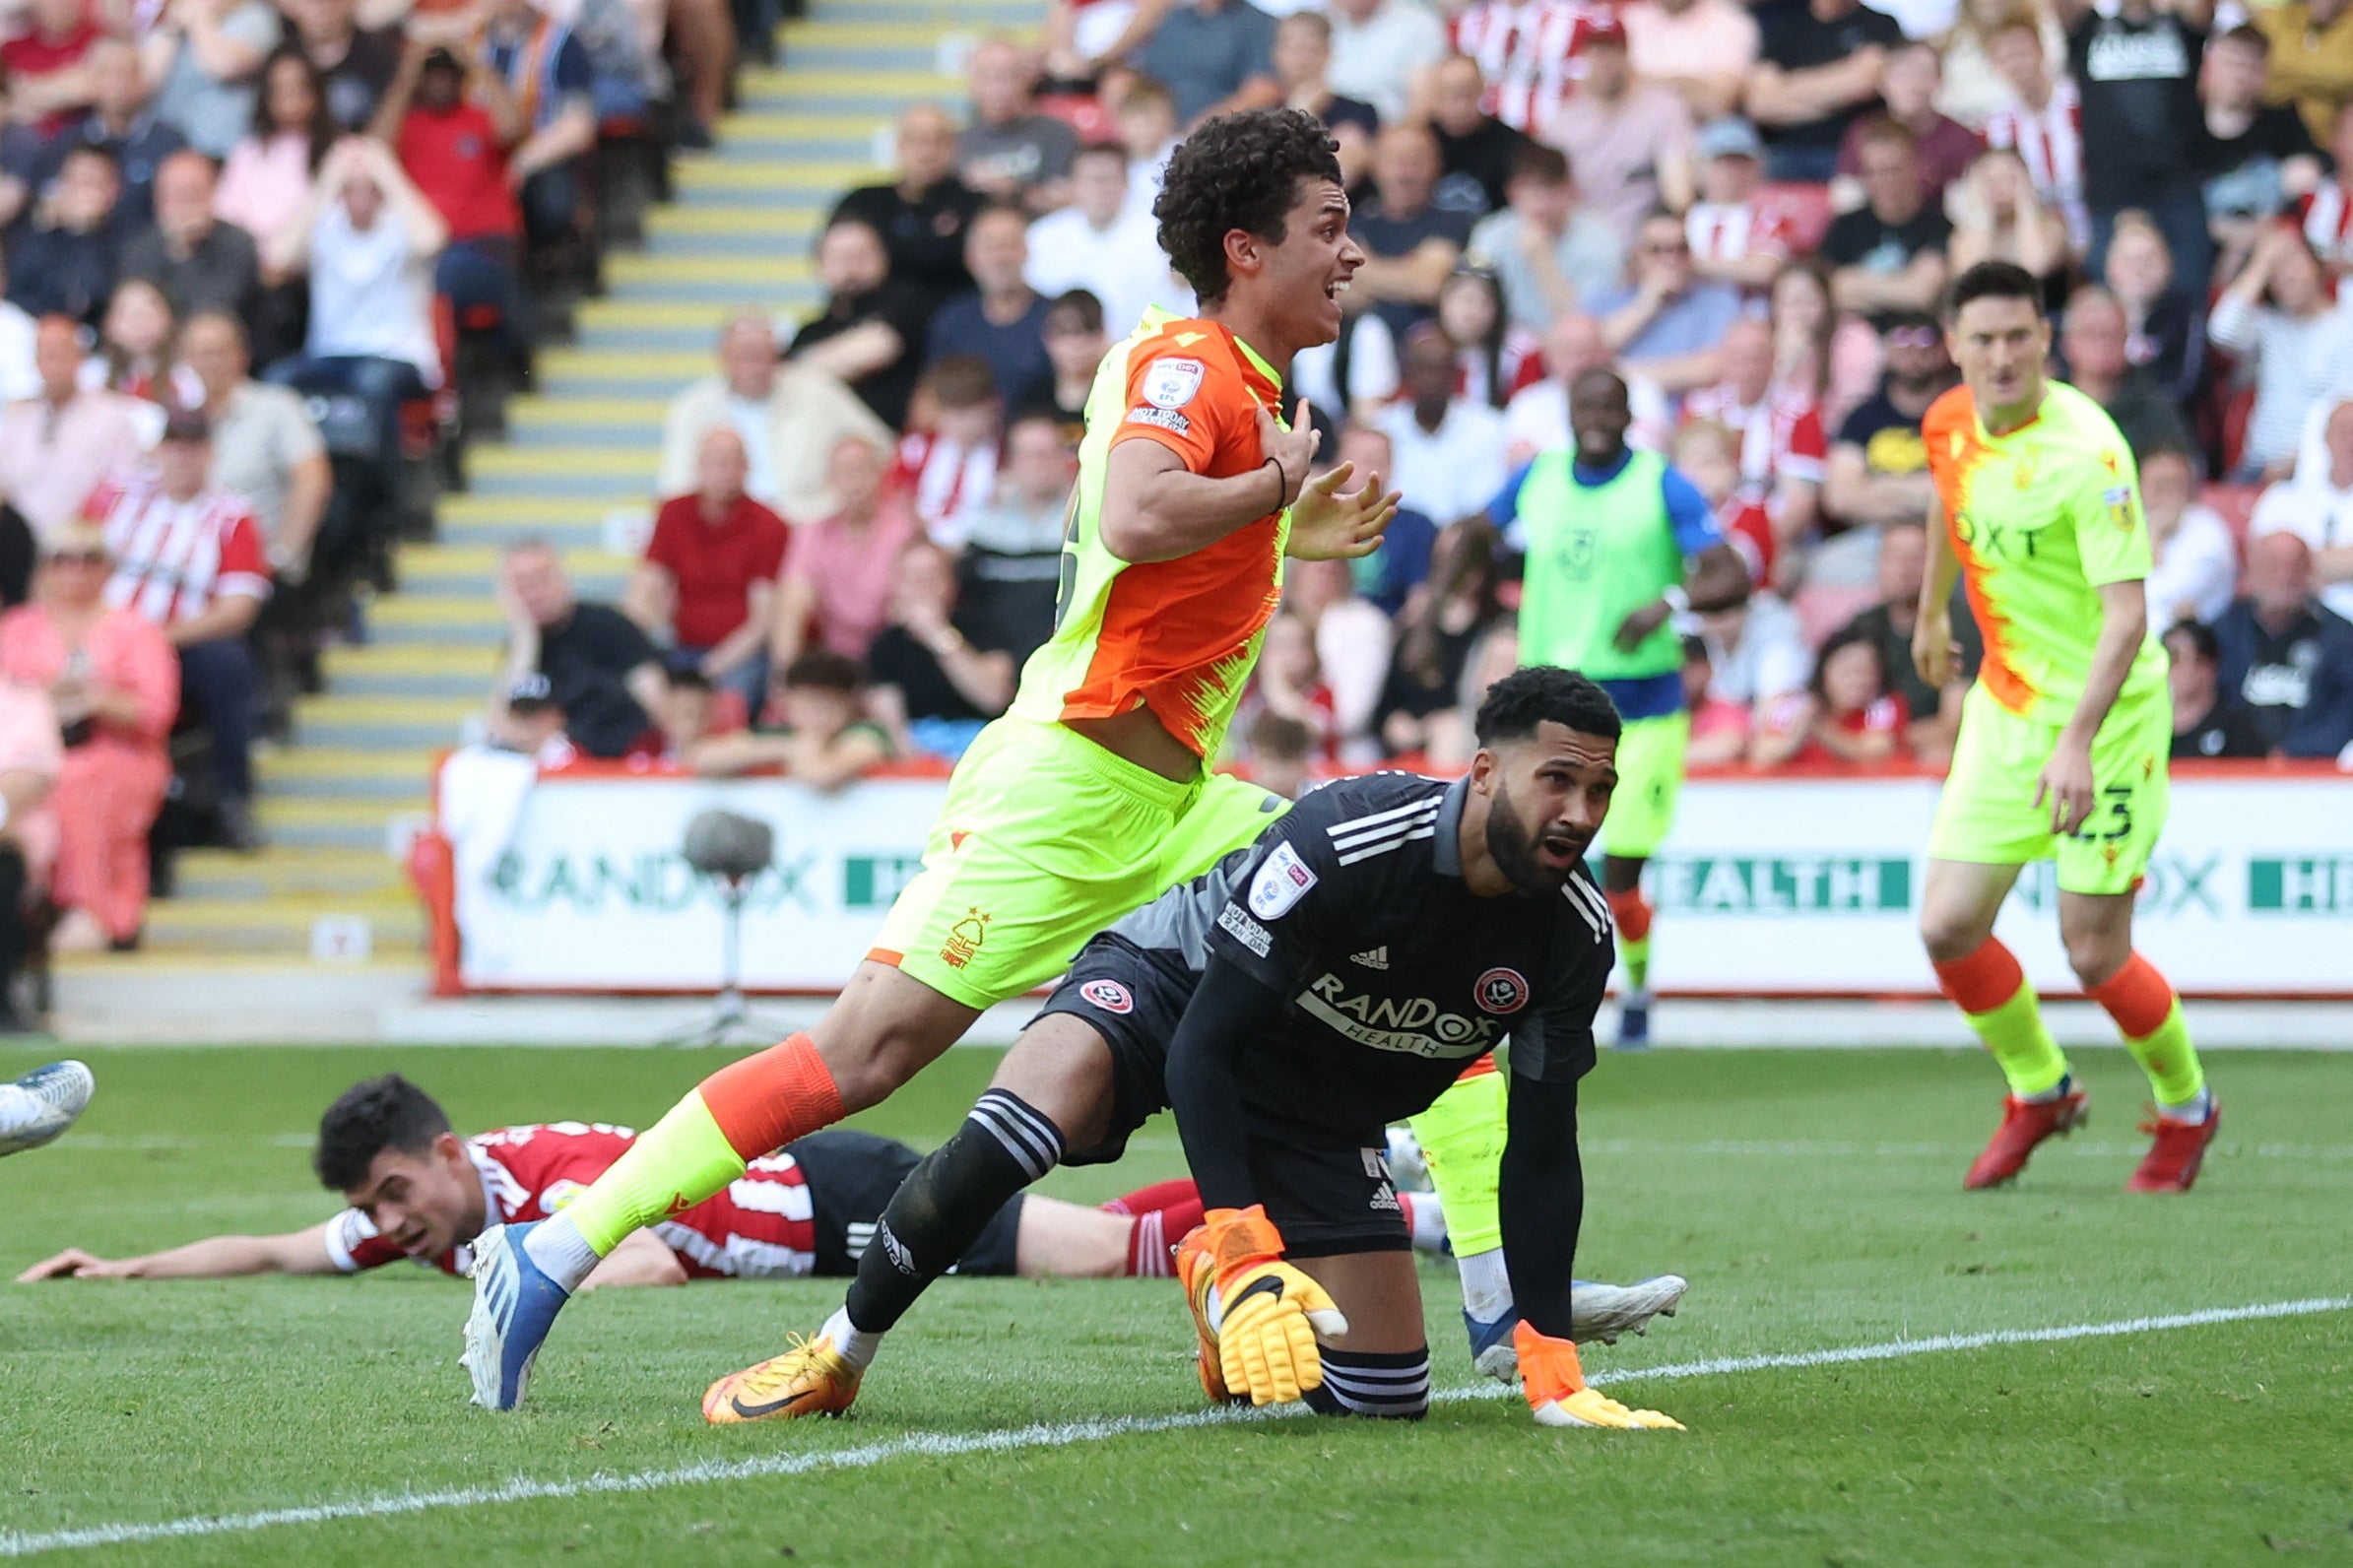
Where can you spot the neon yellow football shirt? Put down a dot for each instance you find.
(2041, 517)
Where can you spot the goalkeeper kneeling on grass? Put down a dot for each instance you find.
(1477, 893)
(1333, 977)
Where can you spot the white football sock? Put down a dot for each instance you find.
(851, 1342)
(2194, 1111)
(1486, 1284)
(562, 1254)
(2052, 1095)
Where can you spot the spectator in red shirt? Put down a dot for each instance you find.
(709, 573)
(47, 84)
(1783, 450)
(451, 120)
(1854, 717)
(192, 559)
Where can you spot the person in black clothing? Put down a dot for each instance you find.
(1443, 623)
(1011, 567)
(1888, 255)
(871, 330)
(1888, 625)
(119, 123)
(2095, 346)
(2285, 655)
(601, 671)
(935, 677)
(1878, 470)
(2257, 156)
(922, 215)
(1818, 71)
(1002, 320)
(1302, 56)
(2208, 722)
(64, 258)
(1387, 933)
(355, 64)
(1475, 149)
(1410, 244)
(2135, 66)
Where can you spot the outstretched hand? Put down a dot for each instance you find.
(1332, 524)
(74, 1264)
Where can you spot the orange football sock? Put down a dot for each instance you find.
(765, 1102)
(1992, 992)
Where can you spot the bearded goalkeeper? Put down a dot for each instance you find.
(2065, 736)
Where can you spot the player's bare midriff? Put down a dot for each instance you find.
(1138, 736)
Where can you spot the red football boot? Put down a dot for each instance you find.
(2024, 1124)
(2173, 1161)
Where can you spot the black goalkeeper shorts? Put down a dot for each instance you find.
(1328, 1195)
(851, 1177)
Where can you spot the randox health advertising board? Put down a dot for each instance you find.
(1768, 887)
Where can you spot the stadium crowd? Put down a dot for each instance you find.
(251, 253)
(1750, 213)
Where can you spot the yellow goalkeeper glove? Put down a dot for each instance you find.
(1554, 1382)
(1261, 1314)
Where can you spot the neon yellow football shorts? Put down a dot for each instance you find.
(1649, 779)
(1988, 816)
(1046, 839)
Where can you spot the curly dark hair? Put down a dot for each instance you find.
(1515, 704)
(1238, 170)
(388, 1112)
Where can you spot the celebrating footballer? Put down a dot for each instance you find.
(1094, 793)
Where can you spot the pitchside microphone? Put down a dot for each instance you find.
(731, 849)
(729, 846)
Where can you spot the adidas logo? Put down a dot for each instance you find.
(1376, 958)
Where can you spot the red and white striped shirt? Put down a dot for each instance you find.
(2326, 218)
(1723, 231)
(2050, 142)
(1781, 435)
(758, 1226)
(949, 482)
(173, 559)
(1527, 53)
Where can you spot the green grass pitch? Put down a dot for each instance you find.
(1812, 1199)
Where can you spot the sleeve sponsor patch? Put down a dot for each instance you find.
(1246, 931)
(2120, 505)
(1166, 418)
(1172, 383)
(1281, 882)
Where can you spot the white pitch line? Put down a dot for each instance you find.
(933, 1445)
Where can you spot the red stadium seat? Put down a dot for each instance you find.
(1082, 112)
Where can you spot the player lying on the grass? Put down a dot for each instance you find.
(417, 1190)
(1092, 794)
(1250, 999)
(2066, 736)
(44, 1103)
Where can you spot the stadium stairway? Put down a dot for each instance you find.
(577, 468)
